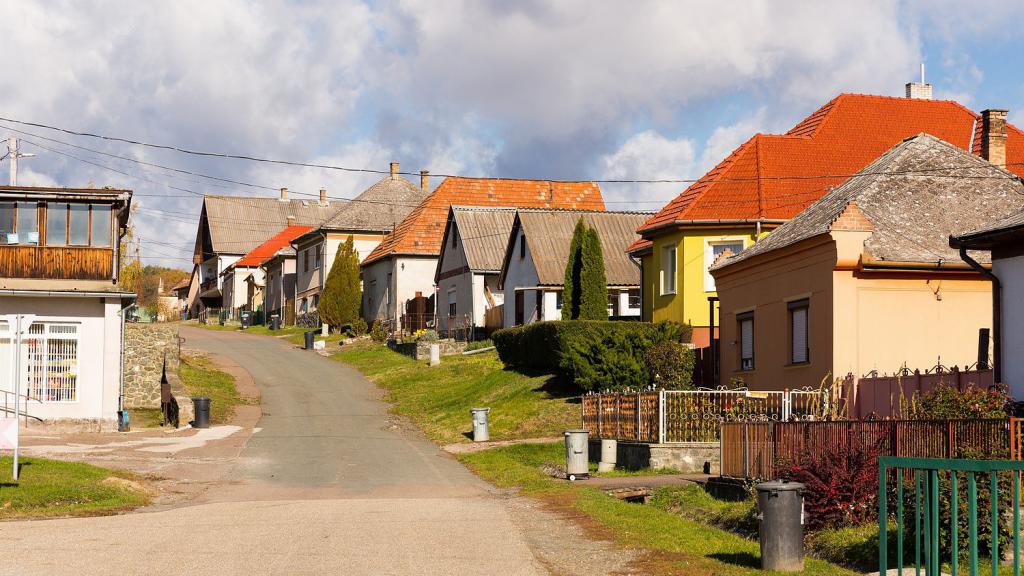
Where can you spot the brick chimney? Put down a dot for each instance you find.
(394, 169)
(323, 196)
(425, 180)
(993, 136)
(291, 220)
(284, 194)
(919, 90)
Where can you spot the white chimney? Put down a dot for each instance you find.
(919, 90)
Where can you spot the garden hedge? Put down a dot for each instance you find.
(589, 354)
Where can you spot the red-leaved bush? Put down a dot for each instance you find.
(841, 482)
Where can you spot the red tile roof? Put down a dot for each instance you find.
(774, 177)
(420, 232)
(265, 251)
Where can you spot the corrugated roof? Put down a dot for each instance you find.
(774, 177)
(379, 208)
(483, 233)
(421, 231)
(915, 196)
(238, 224)
(268, 249)
(549, 233)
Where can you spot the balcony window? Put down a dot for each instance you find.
(100, 225)
(78, 224)
(18, 223)
(56, 224)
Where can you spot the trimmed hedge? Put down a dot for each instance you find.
(589, 354)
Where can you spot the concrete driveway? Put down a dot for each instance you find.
(328, 483)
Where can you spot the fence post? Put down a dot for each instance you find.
(787, 405)
(661, 416)
(638, 437)
(949, 439)
(746, 450)
(600, 414)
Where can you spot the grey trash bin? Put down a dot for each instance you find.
(481, 431)
(310, 335)
(202, 409)
(780, 511)
(577, 454)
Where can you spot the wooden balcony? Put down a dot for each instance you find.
(57, 262)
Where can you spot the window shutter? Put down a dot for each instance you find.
(799, 316)
(747, 343)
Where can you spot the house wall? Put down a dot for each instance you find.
(520, 272)
(280, 284)
(412, 275)
(311, 281)
(455, 280)
(99, 353)
(376, 290)
(307, 278)
(1010, 272)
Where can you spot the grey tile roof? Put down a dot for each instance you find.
(238, 224)
(915, 195)
(483, 234)
(379, 208)
(1013, 221)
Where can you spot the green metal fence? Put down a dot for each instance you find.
(924, 476)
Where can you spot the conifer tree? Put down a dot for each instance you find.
(593, 287)
(573, 268)
(343, 295)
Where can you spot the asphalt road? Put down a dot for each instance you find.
(328, 484)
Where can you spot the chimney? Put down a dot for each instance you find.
(919, 90)
(993, 136)
(284, 194)
(291, 220)
(425, 180)
(394, 169)
(323, 196)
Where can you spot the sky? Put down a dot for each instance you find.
(575, 89)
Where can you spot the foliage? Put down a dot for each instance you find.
(841, 482)
(478, 345)
(589, 355)
(425, 335)
(379, 332)
(947, 402)
(343, 294)
(585, 290)
(358, 327)
(670, 365)
(201, 378)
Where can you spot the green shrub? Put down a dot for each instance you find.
(379, 332)
(590, 355)
(479, 344)
(426, 336)
(669, 365)
(947, 402)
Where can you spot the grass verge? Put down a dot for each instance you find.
(679, 545)
(438, 399)
(201, 378)
(48, 488)
(145, 417)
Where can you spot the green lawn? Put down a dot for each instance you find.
(438, 399)
(48, 488)
(201, 378)
(680, 545)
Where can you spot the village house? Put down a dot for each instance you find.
(403, 266)
(537, 251)
(231, 226)
(183, 292)
(243, 279)
(279, 290)
(864, 279)
(467, 270)
(770, 178)
(367, 218)
(59, 265)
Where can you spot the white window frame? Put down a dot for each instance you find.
(669, 266)
(709, 256)
(42, 334)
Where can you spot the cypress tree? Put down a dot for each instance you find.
(593, 287)
(343, 294)
(573, 270)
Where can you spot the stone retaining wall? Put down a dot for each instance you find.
(145, 346)
(685, 457)
(421, 350)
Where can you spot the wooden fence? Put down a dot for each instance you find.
(622, 416)
(760, 449)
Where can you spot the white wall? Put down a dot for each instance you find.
(521, 273)
(376, 290)
(412, 275)
(1010, 272)
(99, 352)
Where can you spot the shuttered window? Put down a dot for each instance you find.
(799, 343)
(48, 359)
(668, 270)
(745, 327)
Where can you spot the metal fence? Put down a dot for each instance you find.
(760, 450)
(884, 396)
(677, 416)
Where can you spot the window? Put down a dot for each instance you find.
(316, 301)
(455, 238)
(711, 253)
(745, 328)
(799, 343)
(613, 303)
(28, 223)
(49, 361)
(519, 311)
(317, 255)
(451, 304)
(78, 224)
(387, 290)
(56, 224)
(558, 300)
(538, 305)
(668, 270)
(7, 234)
(18, 223)
(100, 235)
(522, 246)
(305, 260)
(634, 298)
(303, 306)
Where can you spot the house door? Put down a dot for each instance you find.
(519, 307)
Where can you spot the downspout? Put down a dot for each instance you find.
(997, 313)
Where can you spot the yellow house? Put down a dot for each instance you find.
(768, 180)
(864, 279)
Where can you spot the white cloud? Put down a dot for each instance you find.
(650, 156)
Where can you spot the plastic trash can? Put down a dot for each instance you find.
(577, 454)
(310, 336)
(780, 507)
(481, 429)
(609, 455)
(202, 408)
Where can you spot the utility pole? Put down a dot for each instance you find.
(14, 154)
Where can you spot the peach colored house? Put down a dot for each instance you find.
(864, 279)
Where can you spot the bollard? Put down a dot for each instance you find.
(781, 514)
(325, 330)
(577, 455)
(609, 455)
(435, 354)
(481, 429)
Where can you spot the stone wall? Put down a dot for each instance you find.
(144, 349)
(421, 350)
(685, 457)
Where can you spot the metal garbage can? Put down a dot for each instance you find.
(577, 454)
(310, 335)
(609, 455)
(246, 319)
(202, 409)
(481, 429)
(780, 507)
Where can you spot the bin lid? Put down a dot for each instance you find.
(567, 432)
(779, 486)
(479, 409)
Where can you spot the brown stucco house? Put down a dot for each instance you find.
(864, 279)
